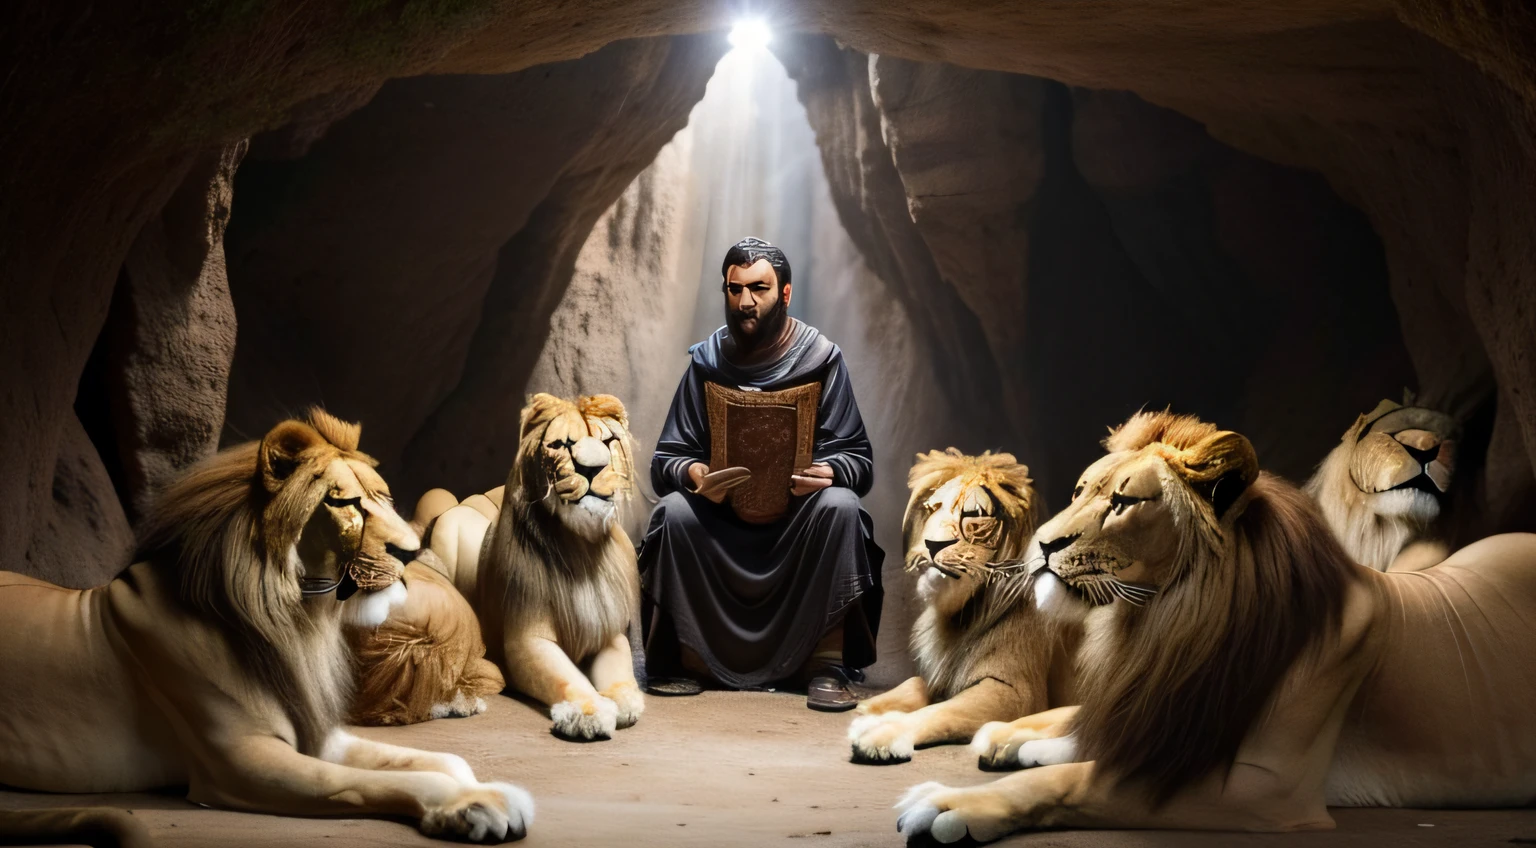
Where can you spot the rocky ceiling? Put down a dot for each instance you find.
(121, 125)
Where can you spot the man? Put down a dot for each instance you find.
(795, 600)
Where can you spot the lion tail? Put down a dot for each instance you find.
(94, 826)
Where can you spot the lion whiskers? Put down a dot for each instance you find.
(1104, 589)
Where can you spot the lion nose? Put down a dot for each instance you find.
(1423, 456)
(1416, 439)
(935, 547)
(400, 553)
(1054, 545)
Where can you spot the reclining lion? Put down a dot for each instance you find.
(1383, 489)
(1268, 675)
(549, 569)
(983, 652)
(419, 651)
(217, 661)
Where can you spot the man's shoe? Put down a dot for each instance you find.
(673, 687)
(829, 692)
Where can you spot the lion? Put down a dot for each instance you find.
(1261, 674)
(983, 653)
(1383, 489)
(553, 576)
(419, 651)
(217, 662)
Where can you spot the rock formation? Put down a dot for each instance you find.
(1420, 113)
(403, 271)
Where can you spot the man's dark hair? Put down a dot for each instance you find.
(748, 251)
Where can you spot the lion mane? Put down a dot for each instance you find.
(1258, 580)
(222, 540)
(948, 650)
(540, 548)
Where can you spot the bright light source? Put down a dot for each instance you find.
(750, 34)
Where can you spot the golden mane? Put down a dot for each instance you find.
(221, 540)
(947, 651)
(1180, 432)
(1005, 478)
(1184, 678)
(533, 556)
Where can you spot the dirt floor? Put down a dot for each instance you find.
(725, 769)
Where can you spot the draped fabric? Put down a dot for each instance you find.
(753, 600)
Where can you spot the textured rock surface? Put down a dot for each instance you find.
(969, 149)
(170, 337)
(474, 430)
(80, 536)
(1105, 254)
(410, 253)
(622, 327)
(872, 205)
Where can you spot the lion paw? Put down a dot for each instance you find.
(486, 812)
(997, 745)
(1047, 752)
(459, 707)
(933, 812)
(884, 739)
(627, 697)
(586, 720)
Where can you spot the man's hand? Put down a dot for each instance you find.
(811, 479)
(716, 485)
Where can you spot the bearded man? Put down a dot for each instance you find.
(795, 600)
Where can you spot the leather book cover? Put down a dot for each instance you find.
(773, 434)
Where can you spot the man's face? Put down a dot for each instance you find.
(754, 302)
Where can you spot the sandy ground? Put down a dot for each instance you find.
(725, 769)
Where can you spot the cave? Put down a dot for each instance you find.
(1022, 223)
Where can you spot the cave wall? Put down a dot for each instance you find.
(403, 270)
(1106, 255)
(1418, 112)
(623, 325)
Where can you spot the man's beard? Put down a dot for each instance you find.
(769, 325)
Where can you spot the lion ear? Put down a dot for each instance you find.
(1220, 467)
(535, 413)
(605, 406)
(281, 450)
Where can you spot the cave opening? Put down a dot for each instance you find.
(1008, 262)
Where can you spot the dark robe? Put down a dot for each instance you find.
(753, 600)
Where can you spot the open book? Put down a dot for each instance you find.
(772, 434)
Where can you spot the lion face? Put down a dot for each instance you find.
(352, 537)
(966, 514)
(1120, 538)
(579, 453)
(1402, 459)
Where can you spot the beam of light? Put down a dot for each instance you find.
(750, 34)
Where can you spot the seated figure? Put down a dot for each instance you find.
(745, 598)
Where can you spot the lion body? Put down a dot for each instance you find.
(420, 655)
(549, 569)
(74, 660)
(983, 652)
(205, 665)
(1266, 675)
(1442, 717)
